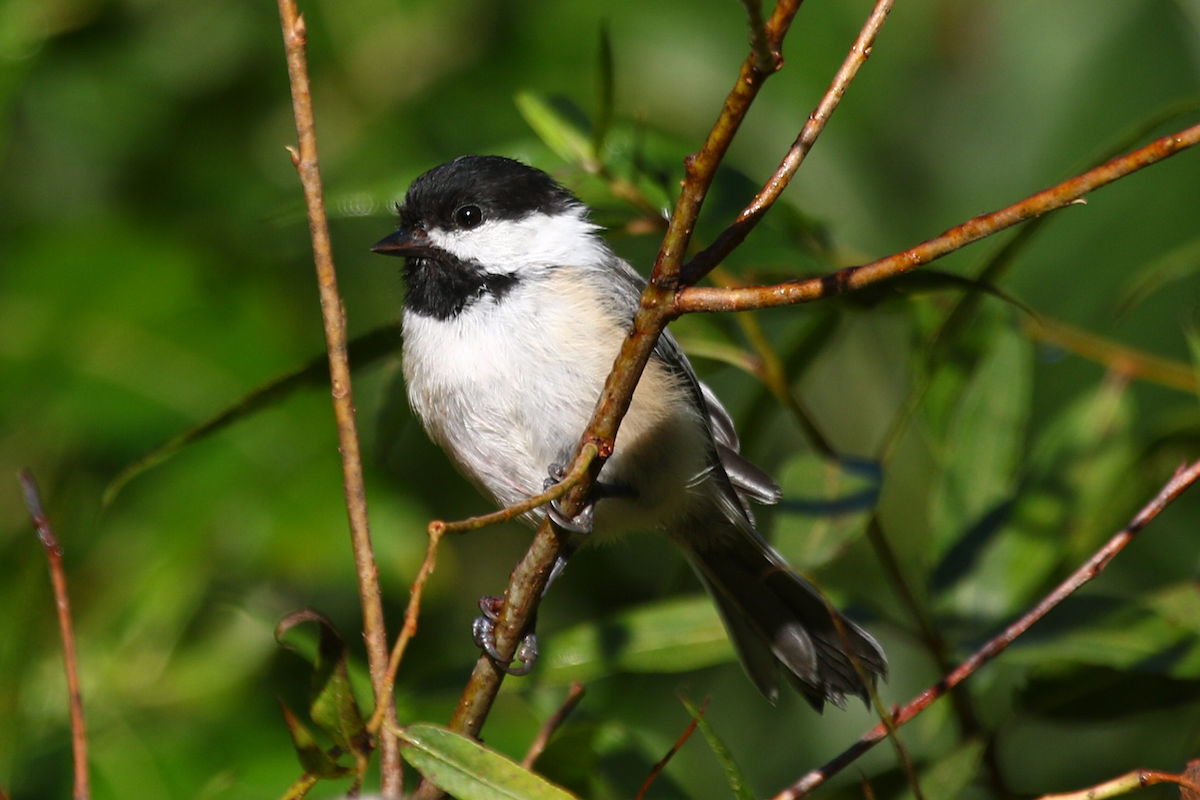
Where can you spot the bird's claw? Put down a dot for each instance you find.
(483, 631)
(581, 523)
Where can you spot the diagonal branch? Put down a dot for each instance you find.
(45, 532)
(1183, 478)
(530, 576)
(736, 233)
(305, 161)
(701, 167)
(697, 299)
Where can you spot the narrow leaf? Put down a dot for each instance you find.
(670, 636)
(313, 759)
(364, 350)
(984, 442)
(604, 94)
(467, 770)
(561, 135)
(1070, 495)
(949, 776)
(334, 707)
(826, 507)
(1176, 265)
(733, 773)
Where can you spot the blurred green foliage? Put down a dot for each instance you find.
(154, 267)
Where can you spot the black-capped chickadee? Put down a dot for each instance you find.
(514, 313)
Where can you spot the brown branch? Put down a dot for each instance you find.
(661, 765)
(766, 58)
(1183, 478)
(529, 578)
(736, 233)
(531, 574)
(305, 161)
(701, 167)
(553, 723)
(45, 532)
(885, 718)
(704, 299)
(1122, 359)
(576, 474)
(1136, 779)
(409, 630)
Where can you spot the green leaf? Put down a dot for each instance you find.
(571, 758)
(676, 635)
(947, 777)
(604, 94)
(826, 507)
(334, 707)
(469, 771)
(313, 759)
(985, 439)
(932, 280)
(558, 133)
(1109, 633)
(363, 350)
(1178, 264)
(1180, 605)
(1071, 495)
(1101, 694)
(1192, 334)
(733, 773)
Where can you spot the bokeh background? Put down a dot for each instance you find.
(155, 267)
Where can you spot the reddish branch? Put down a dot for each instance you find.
(663, 300)
(530, 575)
(553, 723)
(680, 742)
(736, 233)
(1137, 779)
(1182, 479)
(45, 532)
(305, 160)
(383, 702)
(698, 299)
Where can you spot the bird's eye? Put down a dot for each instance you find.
(468, 216)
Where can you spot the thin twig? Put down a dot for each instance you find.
(1183, 478)
(578, 470)
(532, 572)
(705, 299)
(885, 718)
(305, 161)
(661, 765)
(701, 167)
(765, 59)
(363, 351)
(553, 723)
(1115, 356)
(1136, 779)
(411, 614)
(301, 787)
(45, 532)
(736, 233)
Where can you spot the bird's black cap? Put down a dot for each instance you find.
(501, 187)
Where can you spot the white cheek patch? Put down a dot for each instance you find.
(537, 241)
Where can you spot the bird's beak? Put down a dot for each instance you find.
(405, 243)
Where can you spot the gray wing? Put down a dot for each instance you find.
(735, 472)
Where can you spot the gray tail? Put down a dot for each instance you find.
(776, 618)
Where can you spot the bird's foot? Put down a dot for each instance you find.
(581, 523)
(483, 630)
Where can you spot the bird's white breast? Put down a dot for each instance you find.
(506, 388)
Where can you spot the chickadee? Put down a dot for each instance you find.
(514, 312)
